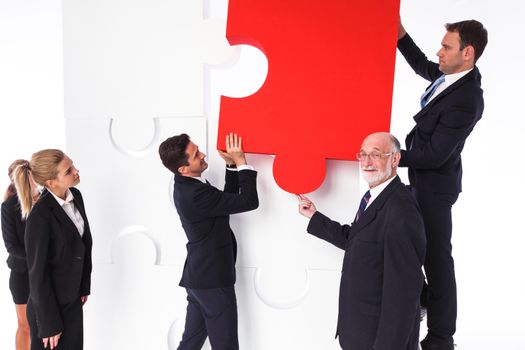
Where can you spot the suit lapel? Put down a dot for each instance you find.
(371, 212)
(423, 112)
(59, 213)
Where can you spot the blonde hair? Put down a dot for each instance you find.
(42, 167)
(11, 190)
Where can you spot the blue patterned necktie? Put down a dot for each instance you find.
(362, 205)
(430, 91)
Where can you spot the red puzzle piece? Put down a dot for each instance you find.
(329, 84)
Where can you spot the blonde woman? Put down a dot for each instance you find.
(58, 247)
(13, 234)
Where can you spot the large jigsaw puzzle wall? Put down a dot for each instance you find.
(159, 76)
(138, 71)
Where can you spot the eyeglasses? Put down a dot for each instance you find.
(373, 156)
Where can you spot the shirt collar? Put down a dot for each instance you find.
(200, 178)
(374, 192)
(61, 202)
(452, 78)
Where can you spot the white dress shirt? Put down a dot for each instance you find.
(239, 168)
(449, 80)
(374, 192)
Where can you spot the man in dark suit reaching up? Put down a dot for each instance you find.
(450, 107)
(382, 276)
(204, 211)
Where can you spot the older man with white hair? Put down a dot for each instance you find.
(381, 278)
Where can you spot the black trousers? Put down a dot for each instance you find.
(440, 296)
(211, 313)
(72, 337)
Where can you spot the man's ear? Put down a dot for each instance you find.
(395, 159)
(183, 169)
(468, 53)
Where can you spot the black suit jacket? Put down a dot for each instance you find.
(381, 279)
(13, 233)
(204, 212)
(434, 145)
(58, 258)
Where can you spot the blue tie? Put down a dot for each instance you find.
(362, 206)
(430, 91)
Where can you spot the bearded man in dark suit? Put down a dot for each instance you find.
(382, 276)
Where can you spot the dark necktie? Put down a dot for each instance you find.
(362, 206)
(430, 91)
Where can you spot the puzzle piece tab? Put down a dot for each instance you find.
(329, 83)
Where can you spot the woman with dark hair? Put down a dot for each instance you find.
(58, 246)
(13, 233)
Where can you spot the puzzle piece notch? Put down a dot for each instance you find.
(308, 325)
(275, 299)
(133, 279)
(325, 101)
(121, 142)
(247, 62)
(138, 233)
(175, 335)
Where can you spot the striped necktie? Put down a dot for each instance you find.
(362, 205)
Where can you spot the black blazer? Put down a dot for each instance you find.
(381, 279)
(204, 212)
(434, 145)
(13, 233)
(58, 258)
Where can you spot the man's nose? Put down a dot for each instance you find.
(367, 160)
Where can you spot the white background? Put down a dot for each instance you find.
(287, 282)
